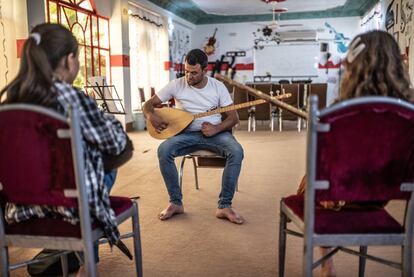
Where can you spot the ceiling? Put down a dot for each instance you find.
(232, 11)
(246, 7)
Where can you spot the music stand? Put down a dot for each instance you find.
(103, 94)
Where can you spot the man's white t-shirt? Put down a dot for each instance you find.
(214, 95)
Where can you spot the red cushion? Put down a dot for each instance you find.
(346, 221)
(367, 154)
(58, 227)
(35, 166)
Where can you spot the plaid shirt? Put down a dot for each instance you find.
(101, 133)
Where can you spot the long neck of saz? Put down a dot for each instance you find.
(230, 108)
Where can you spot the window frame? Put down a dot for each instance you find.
(89, 60)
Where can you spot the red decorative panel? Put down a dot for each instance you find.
(120, 60)
(19, 47)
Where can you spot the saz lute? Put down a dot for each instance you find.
(178, 119)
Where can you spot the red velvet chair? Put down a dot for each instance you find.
(360, 150)
(41, 163)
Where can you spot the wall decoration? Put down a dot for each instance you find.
(340, 39)
(3, 44)
(406, 12)
(218, 66)
(210, 47)
(180, 42)
(389, 16)
(398, 22)
(372, 20)
(405, 15)
(398, 19)
(396, 35)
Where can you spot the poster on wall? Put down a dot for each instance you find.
(398, 22)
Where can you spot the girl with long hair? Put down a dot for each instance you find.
(373, 66)
(49, 65)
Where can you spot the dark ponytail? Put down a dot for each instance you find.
(42, 52)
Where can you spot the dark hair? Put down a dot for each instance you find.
(197, 56)
(377, 70)
(43, 50)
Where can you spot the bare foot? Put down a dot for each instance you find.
(230, 214)
(82, 272)
(171, 210)
(327, 267)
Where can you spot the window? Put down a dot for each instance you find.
(92, 32)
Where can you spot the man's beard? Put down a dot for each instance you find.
(194, 83)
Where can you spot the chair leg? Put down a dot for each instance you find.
(4, 261)
(249, 124)
(282, 243)
(407, 267)
(272, 122)
(299, 124)
(64, 263)
(307, 259)
(137, 241)
(182, 171)
(362, 260)
(195, 171)
(90, 265)
(280, 122)
(254, 123)
(89, 256)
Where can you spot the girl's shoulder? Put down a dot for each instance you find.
(68, 92)
(68, 95)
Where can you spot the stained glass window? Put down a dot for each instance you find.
(92, 32)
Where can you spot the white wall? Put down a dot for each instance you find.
(239, 36)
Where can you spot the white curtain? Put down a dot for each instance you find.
(148, 53)
(9, 63)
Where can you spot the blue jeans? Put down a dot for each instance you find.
(223, 143)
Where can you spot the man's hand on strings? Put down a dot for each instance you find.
(158, 123)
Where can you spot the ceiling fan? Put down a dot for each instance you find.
(274, 27)
(273, 32)
(275, 23)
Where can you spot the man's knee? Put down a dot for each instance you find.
(236, 152)
(164, 150)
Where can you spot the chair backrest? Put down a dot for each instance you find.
(293, 100)
(229, 87)
(321, 91)
(262, 111)
(141, 95)
(240, 96)
(263, 87)
(284, 81)
(41, 159)
(363, 148)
